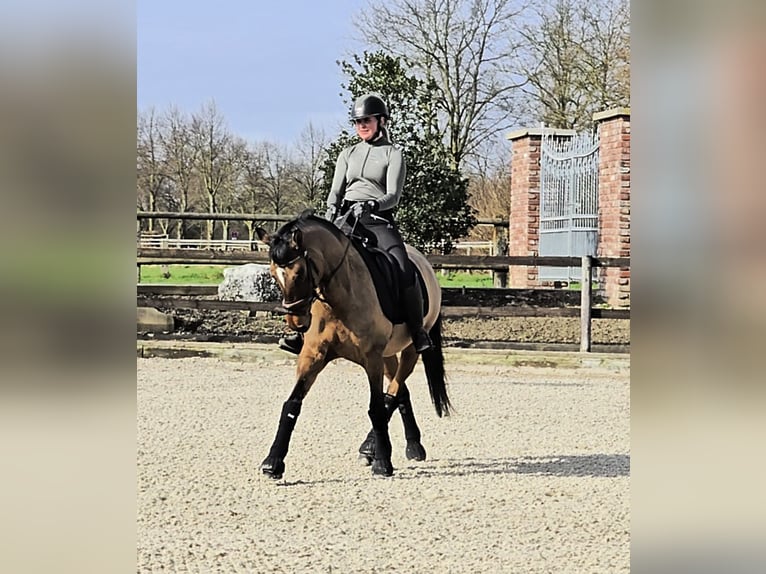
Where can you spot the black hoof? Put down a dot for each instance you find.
(382, 467)
(364, 460)
(367, 448)
(273, 467)
(415, 451)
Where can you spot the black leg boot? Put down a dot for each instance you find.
(274, 464)
(413, 306)
(367, 448)
(414, 450)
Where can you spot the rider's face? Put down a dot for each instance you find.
(366, 127)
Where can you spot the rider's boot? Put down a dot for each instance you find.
(292, 343)
(413, 306)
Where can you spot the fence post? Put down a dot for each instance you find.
(524, 219)
(614, 202)
(500, 247)
(585, 304)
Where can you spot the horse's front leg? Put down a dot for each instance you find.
(381, 464)
(308, 370)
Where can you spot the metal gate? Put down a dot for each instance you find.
(568, 200)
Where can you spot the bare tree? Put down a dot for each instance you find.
(254, 182)
(278, 187)
(252, 194)
(214, 158)
(577, 60)
(607, 46)
(233, 191)
(490, 189)
(181, 159)
(310, 155)
(150, 162)
(465, 50)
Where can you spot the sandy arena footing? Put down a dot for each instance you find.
(531, 474)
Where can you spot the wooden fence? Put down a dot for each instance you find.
(179, 296)
(164, 242)
(498, 227)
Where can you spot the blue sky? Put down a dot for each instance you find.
(269, 65)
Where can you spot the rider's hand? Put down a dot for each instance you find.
(330, 213)
(362, 207)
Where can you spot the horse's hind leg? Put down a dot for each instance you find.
(398, 395)
(414, 450)
(407, 362)
(367, 448)
(381, 462)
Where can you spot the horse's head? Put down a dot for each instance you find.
(291, 268)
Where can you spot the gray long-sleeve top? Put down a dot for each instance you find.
(369, 171)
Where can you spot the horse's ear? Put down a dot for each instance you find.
(263, 235)
(306, 213)
(298, 238)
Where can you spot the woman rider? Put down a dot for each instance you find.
(368, 181)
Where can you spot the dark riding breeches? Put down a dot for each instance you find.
(390, 240)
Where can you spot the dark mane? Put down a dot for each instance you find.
(281, 251)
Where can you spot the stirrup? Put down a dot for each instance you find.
(291, 343)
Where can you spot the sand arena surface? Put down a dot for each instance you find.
(531, 473)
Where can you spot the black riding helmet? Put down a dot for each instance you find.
(369, 105)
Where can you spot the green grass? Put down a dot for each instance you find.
(213, 275)
(575, 286)
(465, 278)
(183, 274)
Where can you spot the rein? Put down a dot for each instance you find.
(332, 273)
(315, 287)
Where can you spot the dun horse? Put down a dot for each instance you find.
(330, 296)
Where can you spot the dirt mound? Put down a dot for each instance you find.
(267, 328)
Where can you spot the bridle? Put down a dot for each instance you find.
(301, 307)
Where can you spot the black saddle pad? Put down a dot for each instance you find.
(387, 279)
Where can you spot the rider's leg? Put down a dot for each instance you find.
(390, 240)
(413, 306)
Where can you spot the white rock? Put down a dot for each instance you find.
(249, 282)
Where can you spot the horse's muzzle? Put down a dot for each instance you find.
(298, 314)
(299, 307)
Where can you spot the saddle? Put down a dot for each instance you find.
(385, 273)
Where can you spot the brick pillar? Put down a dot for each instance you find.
(614, 202)
(524, 223)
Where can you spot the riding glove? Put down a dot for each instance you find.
(362, 207)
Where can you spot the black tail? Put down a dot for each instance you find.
(433, 361)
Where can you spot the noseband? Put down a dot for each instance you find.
(302, 307)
